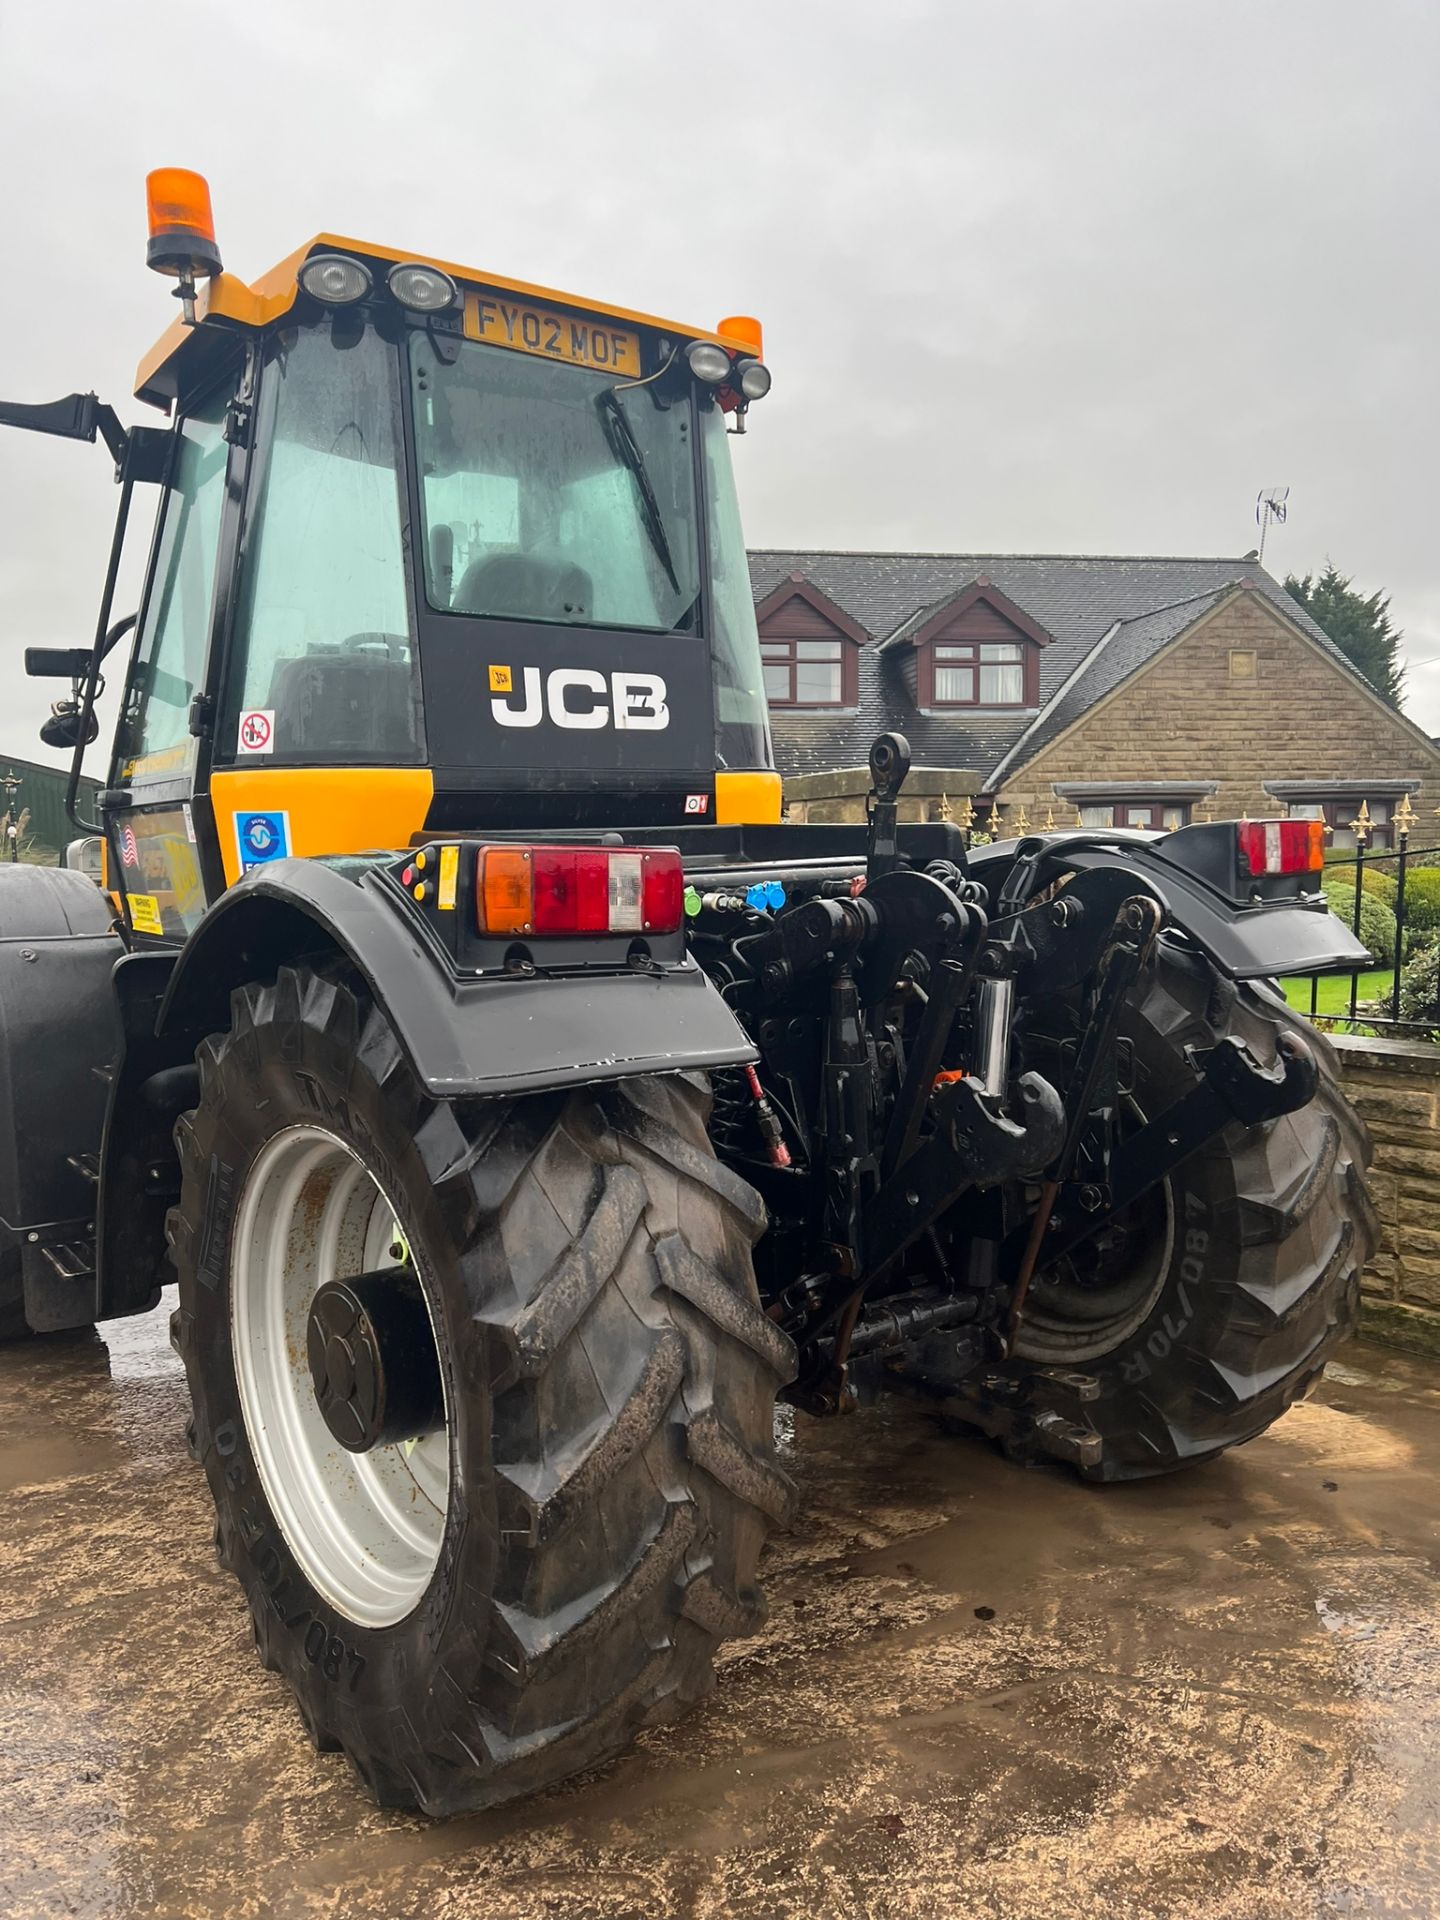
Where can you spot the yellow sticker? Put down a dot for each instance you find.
(449, 875)
(144, 913)
(500, 680)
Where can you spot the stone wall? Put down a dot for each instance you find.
(929, 791)
(1396, 1086)
(1291, 715)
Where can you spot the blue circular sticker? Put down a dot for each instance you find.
(262, 837)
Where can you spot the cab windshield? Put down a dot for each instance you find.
(551, 493)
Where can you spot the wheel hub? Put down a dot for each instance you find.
(373, 1361)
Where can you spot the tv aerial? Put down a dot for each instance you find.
(1270, 505)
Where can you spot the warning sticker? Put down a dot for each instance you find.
(144, 912)
(697, 803)
(257, 730)
(261, 838)
(500, 680)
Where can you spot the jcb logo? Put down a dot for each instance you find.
(580, 698)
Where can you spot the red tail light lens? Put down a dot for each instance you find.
(664, 891)
(571, 891)
(1280, 846)
(549, 891)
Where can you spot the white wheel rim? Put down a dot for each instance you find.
(366, 1528)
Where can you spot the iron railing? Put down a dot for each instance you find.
(1399, 862)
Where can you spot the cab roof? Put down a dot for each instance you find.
(228, 302)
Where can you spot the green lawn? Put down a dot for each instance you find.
(1333, 990)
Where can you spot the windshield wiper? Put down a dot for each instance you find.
(626, 447)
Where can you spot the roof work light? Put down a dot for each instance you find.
(335, 279)
(709, 363)
(182, 231)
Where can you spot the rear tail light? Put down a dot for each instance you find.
(1280, 846)
(547, 891)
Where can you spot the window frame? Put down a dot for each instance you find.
(791, 643)
(930, 666)
(1121, 805)
(254, 452)
(1338, 812)
(125, 748)
(685, 404)
(976, 650)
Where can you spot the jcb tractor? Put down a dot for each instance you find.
(520, 1102)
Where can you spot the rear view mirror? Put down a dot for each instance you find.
(56, 663)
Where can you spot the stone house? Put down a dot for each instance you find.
(1077, 690)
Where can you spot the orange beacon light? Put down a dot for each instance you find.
(182, 230)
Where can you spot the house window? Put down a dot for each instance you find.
(1338, 815)
(979, 673)
(803, 673)
(1156, 815)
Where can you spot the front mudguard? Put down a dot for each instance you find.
(498, 1036)
(1245, 942)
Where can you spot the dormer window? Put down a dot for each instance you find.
(979, 673)
(975, 650)
(809, 647)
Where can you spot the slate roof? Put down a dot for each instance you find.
(1126, 645)
(1135, 605)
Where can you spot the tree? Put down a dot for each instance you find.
(1359, 627)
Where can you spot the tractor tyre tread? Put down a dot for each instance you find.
(601, 1260)
(1240, 1336)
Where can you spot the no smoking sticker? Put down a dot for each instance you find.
(257, 730)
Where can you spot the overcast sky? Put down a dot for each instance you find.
(1036, 275)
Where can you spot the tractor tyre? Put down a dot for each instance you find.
(1226, 1288)
(546, 1564)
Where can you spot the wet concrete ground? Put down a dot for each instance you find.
(982, 1692)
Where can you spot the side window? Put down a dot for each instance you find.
(325, 656)
(171, 654)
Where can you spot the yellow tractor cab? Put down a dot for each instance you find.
(439, 551)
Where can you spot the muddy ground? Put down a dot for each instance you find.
(982, 1691)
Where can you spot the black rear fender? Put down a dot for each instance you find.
(465, 1037)
(1245, 942)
